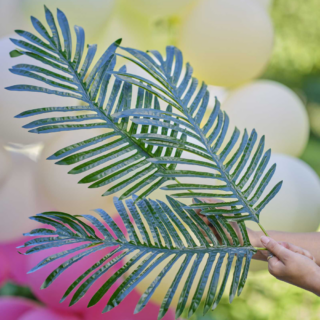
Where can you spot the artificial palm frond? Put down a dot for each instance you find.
(70, 76)
(157, 235)
(241, 178)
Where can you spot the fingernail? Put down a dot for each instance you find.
(265, 240)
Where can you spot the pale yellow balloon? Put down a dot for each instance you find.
(155, 8)
(137, 32)
(62, 189)
(274, 111)
(220, 93)
(90, 15)
(296, 208)
(15, 102)
(227, 42)
(5, 165)
(19, 198)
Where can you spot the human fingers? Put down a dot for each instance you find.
(282, 253)
(297, 249)
(209, 224)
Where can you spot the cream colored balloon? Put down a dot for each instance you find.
(135, 32)
(274, 111)
(215, 91)
(14, 102)
(227, 42)
(265, 3)
(11, 17)
(5, 165)
(62, 189)
(90, 15)
(135, 69)
(155, 8)
(19, 198)
(296, 208)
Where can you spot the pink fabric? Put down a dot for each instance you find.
(47, 314)
(12, 308)
(17, 262)
(4, 267)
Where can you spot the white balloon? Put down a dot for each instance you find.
(14, 102)
(19, 199)
(296, 208)
(11, 17)
(90, 15)
(274, 111)
(215, 91)
(5, 165)
(265, 3)
(134, 34)
(227, 42)
(135, 69)
(62, 189)
(221, 94)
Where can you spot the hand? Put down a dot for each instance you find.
(207, 222)
(293, 265)
(254, 236)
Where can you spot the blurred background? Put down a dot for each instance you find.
(261, 58)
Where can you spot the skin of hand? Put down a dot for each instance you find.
(292, 267)
(288, 262)
(254, 236)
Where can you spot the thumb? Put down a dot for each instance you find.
(276, 249)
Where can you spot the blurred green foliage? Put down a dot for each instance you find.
(296, 56)
(295, 61)
(265, 298)
(12, 289)
(311, 154)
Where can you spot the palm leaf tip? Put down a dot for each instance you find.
(118, 42)
(14, 54)
(155, 232)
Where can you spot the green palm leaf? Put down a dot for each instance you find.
(113, 157)
(241, 179)
(160, 235)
